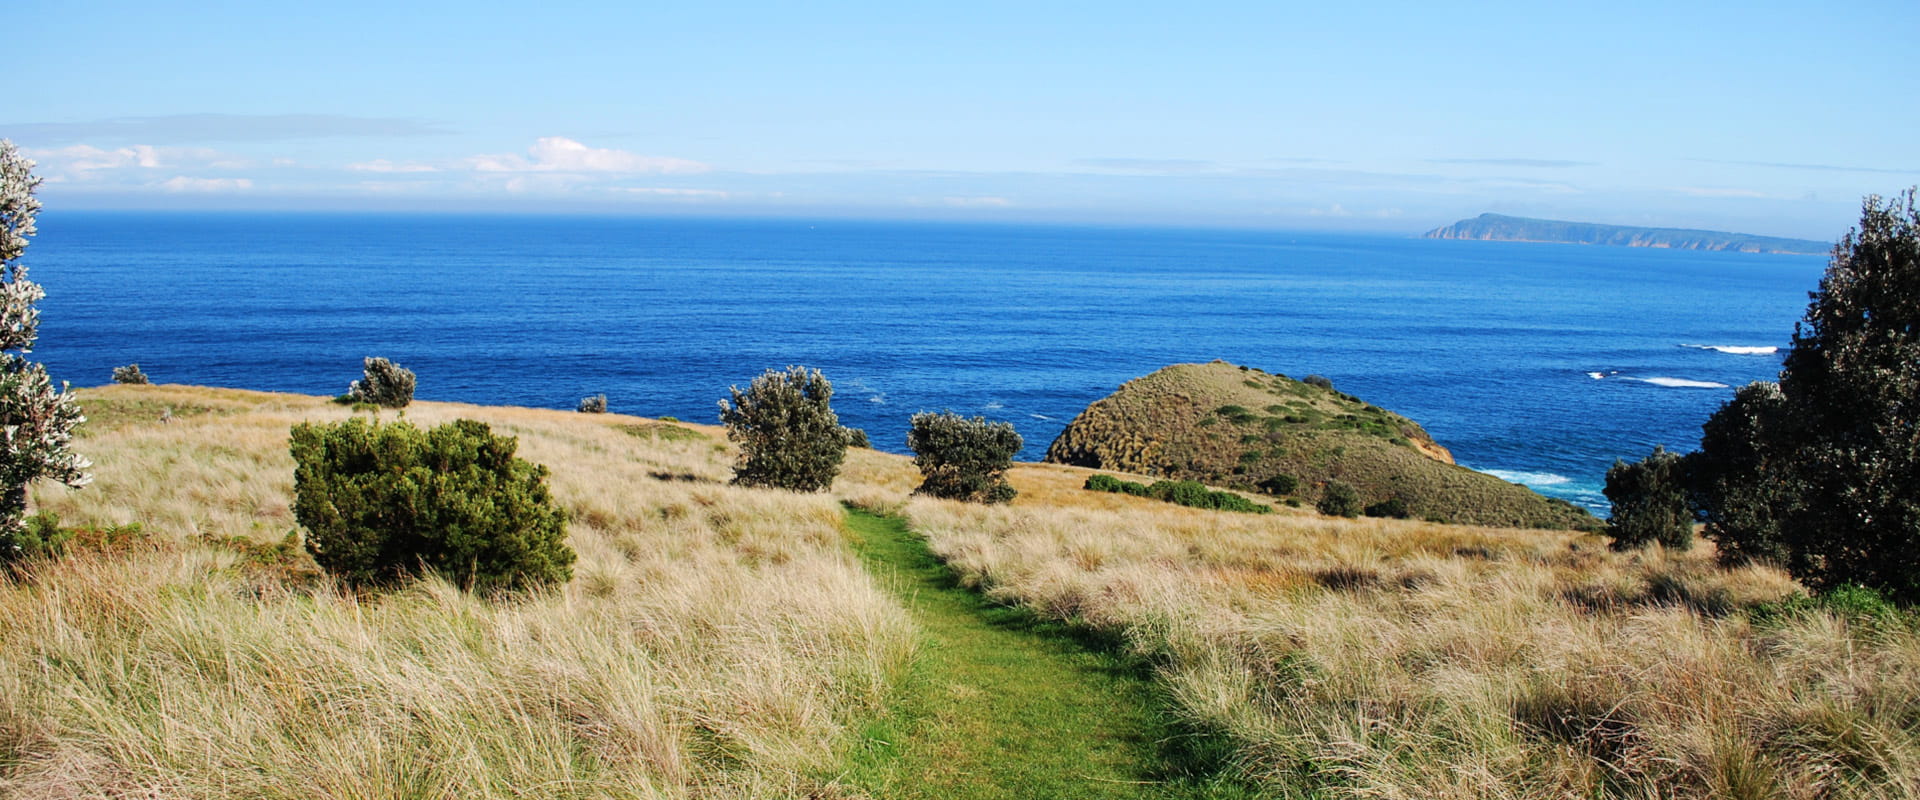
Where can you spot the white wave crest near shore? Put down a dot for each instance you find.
(1679, 383)
(1736, 349)
(1528, 478)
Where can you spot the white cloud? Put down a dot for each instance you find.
(560, 154)
(182, 183)
(383, 165)
(82, 160)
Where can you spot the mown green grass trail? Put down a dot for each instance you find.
(1002, 704)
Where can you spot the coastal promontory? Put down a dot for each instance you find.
(1497, 227)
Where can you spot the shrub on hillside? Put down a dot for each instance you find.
(1730, 484)
(1187, 493)
(382, 502)
(1279, 485)
(857, 438)
(1339, 499)
(1390, 508)
(1649, 503)
(382, 383)
(961, 458)
(1318, 380)
(593, 404)
(789, 436)
(129, 374)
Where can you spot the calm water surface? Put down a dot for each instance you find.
(1494, 347)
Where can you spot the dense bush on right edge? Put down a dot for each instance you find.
(789, 436)
(961, 458)
(1193, 494)
(381, 503)
(382, 383)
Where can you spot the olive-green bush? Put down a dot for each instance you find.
(382, 383)
(383, 503)
(961, 458)
(789, 436)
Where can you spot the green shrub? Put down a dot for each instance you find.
(1390, 508)
(593, 404)
(383, 502)
(1649, 503)
(1186, 493)
(1098, 482)
(1319, 381)
(789, 436)
(857, 438)
(129, 374)
(382, 383)
(1339, 499)
(1279, 485)
(40, 536)
(963, 459)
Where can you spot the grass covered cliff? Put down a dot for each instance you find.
(1245, 428)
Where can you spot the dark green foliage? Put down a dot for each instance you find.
(593, 404)
(1320, 381)
(1339, 499)
(961, 458)
(1734, 488)
(789, 436)
(1186, 493)
(1280, 485)
(382, 383)
(129, 374)
(1390, 508)
(857, 438)
(1649, 500)
(40, 537)
(1825, 476)
(381, 503)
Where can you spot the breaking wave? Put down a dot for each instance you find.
(1678, 383)
(1736, 349)
(1528, 478)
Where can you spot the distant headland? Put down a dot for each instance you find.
(1496, 227)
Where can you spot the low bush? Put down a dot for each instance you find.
(1319, 381)
(382, 503)
(39, 537)
(593, 404)
(1649, 500)
(1186, 493)
(1390, 508)
(963, 459)
(1339, 499)
(130, 374)
(382, 383)
(857, 438)
(789, 436)
(1279, 485)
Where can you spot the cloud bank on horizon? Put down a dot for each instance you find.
(1397, 118)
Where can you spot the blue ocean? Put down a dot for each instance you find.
(1540, 363)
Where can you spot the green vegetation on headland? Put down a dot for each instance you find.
(1497, 227)
(1248, 429)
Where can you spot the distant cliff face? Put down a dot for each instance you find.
(1495, 227)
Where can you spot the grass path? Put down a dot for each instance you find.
(1003, 704)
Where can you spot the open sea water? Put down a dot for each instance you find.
(1540, 363)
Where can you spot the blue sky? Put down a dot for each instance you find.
(1389, 116)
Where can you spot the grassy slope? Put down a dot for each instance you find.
(1236, 426)
(719, 642)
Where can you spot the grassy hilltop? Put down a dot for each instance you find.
(1238, 426)
(718, 641)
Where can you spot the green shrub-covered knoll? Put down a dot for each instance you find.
(382, 503)
(1186, 493)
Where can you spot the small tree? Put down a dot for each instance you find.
(130, 374)
(1649, 500)
(36, 420)
(595, 404)
(381, 503)
(789, 436)
(383, 383)
(1737, 486)
(963, 459)
(1339, 499)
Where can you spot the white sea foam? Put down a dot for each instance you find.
(1595, 375)
(1679, 383)
(1041, 416)
(994, 405)
(1736, 349)
(1528, 478)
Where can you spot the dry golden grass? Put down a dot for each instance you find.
(1393, 659)
(715, 641)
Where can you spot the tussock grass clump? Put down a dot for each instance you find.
(1386, 658)
(715, 642)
